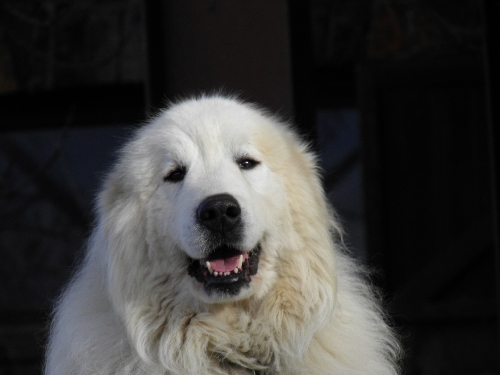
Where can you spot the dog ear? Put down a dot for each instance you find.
(122, 211)
(122, 236)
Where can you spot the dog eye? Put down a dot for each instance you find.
(175, 175)
(247, 163)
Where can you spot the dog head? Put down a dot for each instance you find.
(213, 177)
(220, 197)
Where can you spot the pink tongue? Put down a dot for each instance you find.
(226, 264)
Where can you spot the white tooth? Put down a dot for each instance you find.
(226, 273)
(240, 262)
(235, 270)
(209, 267)
(216, 273)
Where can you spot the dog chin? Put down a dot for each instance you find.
(220, 296)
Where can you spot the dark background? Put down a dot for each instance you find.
(398, 97)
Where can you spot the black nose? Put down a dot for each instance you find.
(219, 213)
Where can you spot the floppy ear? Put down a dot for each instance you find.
(311, 217)
(122, 214)
(122, 226)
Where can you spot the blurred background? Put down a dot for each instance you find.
(396, 96)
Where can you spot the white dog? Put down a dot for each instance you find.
(215, 252)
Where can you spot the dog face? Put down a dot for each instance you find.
(219, 198)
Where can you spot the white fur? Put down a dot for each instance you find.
(132, 308)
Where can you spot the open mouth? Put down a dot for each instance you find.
(226, 270)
